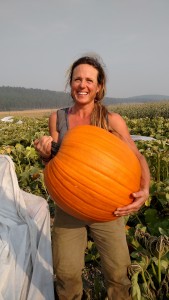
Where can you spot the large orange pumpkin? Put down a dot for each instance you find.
(93, 173)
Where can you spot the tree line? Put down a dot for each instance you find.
(19, 98)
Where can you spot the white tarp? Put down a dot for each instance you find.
(142, 138)
(7, 119)
(26, 271)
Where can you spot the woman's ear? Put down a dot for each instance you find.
(98, 88)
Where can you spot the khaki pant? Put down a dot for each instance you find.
(69, 244)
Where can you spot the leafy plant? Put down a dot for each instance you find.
(150, 266)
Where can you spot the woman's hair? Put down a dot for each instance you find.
(99, 116)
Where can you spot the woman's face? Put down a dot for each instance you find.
(84, 84)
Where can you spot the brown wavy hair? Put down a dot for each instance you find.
(99, 116)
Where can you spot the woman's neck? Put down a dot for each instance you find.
(79, 115)
(81, 111)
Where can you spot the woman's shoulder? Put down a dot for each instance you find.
(116, 121)
(113, 116)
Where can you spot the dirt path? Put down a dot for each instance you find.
(27, 113)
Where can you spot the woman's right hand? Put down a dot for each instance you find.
(43, 146)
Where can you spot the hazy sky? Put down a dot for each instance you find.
(39, 39)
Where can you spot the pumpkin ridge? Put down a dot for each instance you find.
(108, 161)
(85, 201)
(113, 139)
(114, 194)
(99, 146)
(100, 210)
(114, 176)
(72, 152)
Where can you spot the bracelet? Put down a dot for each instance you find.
(55, 148)
(46, 159)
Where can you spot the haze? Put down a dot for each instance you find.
(40, 39)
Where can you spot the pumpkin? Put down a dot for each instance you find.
(93, 173)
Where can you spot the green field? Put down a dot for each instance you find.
(148, 230)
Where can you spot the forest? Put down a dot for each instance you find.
(19, 98)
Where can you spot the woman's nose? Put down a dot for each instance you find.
(82, 84)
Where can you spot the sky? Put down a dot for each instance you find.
(40, 39)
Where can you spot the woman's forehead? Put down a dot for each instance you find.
(85, 70)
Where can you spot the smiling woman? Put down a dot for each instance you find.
(87, 82)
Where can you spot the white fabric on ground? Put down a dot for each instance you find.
(142, 138)
(26, 271)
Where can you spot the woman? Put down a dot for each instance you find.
(87, 82)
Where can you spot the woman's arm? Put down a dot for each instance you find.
(118, 124)
(44, 145)
(52, 126)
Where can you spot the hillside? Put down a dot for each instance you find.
(137, 99)
(19, 98)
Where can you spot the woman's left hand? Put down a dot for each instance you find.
(139, 199)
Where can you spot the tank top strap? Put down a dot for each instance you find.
(62, 123)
